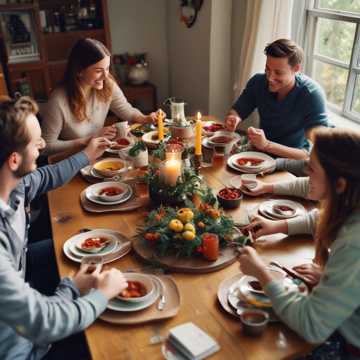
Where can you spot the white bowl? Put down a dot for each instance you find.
(146, 281)
(100, 191)
(110, 167)
(95, 234)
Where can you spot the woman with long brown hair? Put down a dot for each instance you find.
(77, 109)
(333, 306)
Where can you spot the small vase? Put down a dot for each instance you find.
(138, 74)
(141, 160)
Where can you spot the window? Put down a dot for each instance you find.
(333, 53)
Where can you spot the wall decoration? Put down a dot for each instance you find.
(189, 10)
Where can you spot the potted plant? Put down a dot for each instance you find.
(139, 154)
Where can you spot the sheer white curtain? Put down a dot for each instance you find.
(266, 21)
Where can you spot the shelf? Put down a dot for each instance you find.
(28, 66)
(17, 7)
(44, 74)
(75, 33)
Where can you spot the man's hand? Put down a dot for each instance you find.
(84, 280)
(257, 138)
(231, 122)
(96, 148)
(260, 227)
(111, 283)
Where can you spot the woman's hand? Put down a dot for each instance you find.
(109, 132)
(311, 272)
(252, 264)
(231, 122)
(111, 283)
(260, 188)
(260, 227)
(257, 138)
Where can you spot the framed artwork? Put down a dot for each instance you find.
(18, 30)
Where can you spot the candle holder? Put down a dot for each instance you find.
(174, 152)
(197, 163)
(164, 190)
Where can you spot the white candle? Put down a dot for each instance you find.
(172, 171)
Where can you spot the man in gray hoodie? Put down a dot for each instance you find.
(29, 320)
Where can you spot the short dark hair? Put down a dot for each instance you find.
(14, 135)
(282, 48)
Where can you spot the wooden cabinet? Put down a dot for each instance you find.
(142, 96)
(53, 42)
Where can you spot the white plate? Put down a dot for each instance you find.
(268, 163)
(147, 138)
(266, 208)
(75, 247)
(127, 306)
(262, 300)
(91, 191)
(239, 303)
(122, 242)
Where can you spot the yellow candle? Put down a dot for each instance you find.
(160, 120)
(172, 171)
(198, 129)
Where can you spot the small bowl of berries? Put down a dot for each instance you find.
(229, 198)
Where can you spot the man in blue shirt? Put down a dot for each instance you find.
(289, 103)
(29, 320)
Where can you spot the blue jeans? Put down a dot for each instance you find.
(41, 268)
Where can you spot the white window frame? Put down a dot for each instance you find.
(313, 14)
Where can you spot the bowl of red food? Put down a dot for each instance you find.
(121, 143)
(140, 288)
(223, 139)
(110, 191)
(210, 127)
(229, 198)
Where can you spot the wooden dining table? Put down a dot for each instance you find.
(199, 303)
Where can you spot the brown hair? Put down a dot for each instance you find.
(285, 48)
(14, 136)
(338, 151)
(85, 53)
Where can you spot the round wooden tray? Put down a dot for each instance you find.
(184, 264)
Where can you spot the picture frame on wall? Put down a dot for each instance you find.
(19, 35)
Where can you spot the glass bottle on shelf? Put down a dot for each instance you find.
(23, 85)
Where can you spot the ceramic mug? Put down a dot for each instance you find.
(122, 128)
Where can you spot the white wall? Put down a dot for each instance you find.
(220, 81)
(140, 26)
(197, 64)
(189, 50)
